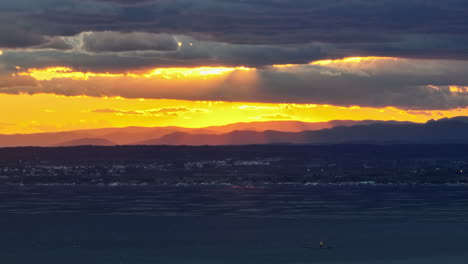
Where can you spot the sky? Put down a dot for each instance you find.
(83, 64)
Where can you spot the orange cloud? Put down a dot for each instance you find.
(169, 111)
(116, 111)
(276, 117)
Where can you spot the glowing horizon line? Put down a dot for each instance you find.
(349, 60)
(49, 73)
(331, 61)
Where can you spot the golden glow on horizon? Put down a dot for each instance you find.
(47, 74)
(349, 60)
(177, 73)
(284, 65)
(458, 89)
(51, 113)
(50, 73)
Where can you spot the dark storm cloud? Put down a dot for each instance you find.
(199, 53)
(124, 2)
(409, 28)
(13, 37)
(407, 85)
(116, 41)
(249, 22)
(56, 43)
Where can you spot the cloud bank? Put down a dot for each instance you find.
(373, 82)
(131, 38)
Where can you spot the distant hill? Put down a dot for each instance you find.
(287, 126)
(119, 136)
(231, 138)
(86, 142)
(144, 135)
(453, 130)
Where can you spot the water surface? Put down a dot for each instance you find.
(229, 224)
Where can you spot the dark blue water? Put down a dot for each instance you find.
(224, 224)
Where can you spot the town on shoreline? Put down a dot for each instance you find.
(243, 165)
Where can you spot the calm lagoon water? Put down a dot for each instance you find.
(226, 224)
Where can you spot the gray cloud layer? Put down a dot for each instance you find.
(391, 27)
(120, 36)
(116, 41)
(403, 83)
(93, 52)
